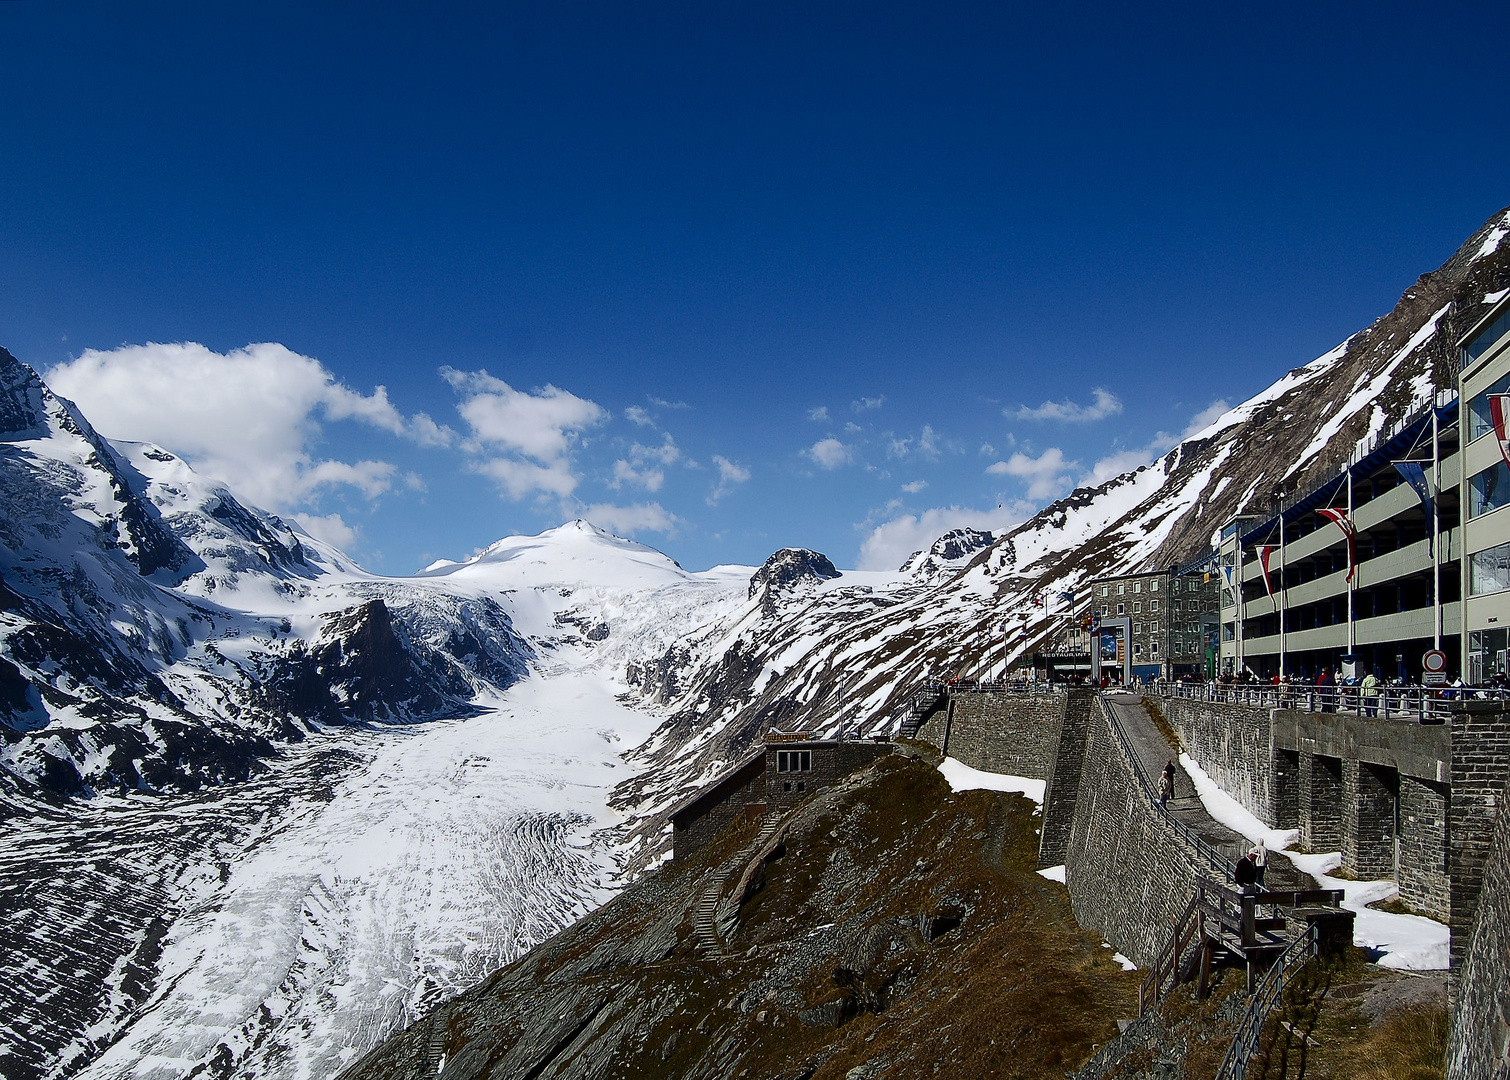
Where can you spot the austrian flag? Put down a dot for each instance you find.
(1343, 522)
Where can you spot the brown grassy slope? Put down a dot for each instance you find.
(901, 929)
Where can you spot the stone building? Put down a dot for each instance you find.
(787, 769)
(1161, 624)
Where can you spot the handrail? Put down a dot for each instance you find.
(1417, 703)
(1275, 980)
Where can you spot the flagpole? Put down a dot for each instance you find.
(1281, 585)
(1351, 645)
(1436, 538)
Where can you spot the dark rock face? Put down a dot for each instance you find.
(947, 553)
(785, 570)
(887, 928)
(360, 670)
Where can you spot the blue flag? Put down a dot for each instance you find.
(1412, 473)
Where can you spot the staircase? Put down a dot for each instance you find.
(1222, 925)
(705, 915)
(926, 700)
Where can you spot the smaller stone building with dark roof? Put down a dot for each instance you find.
(788, 768)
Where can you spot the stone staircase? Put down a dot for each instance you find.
(926, 700)
(705, 915)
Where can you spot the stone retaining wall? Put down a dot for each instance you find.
(1129, 873)
(1481, 751)
(1478, 1046)
(1011, 733)
(1062, 790)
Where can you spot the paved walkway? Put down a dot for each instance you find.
(1185, 806)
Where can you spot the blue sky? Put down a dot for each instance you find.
(726, 280)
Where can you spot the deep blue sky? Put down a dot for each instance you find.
(752, 212)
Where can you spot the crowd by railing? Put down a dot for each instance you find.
(1384, 700)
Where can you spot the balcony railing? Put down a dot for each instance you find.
(1421, 704)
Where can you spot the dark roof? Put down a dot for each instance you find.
(715, 790)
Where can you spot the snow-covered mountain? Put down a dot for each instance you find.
(192, 685)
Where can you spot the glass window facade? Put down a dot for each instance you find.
(1486, 338)
(794, 761)
(1480, 420)
(1489, 490)
(1486, 654)
(1489, 570)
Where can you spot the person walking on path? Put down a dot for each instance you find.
(1259, 857)
(1166, 783)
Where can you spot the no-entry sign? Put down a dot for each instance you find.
(1434, 668)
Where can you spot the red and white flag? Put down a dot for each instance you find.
(1499, 409)
(1263, 563)
(1343, 522)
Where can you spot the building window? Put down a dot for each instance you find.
(1137, 628)
(794, 761)
(1489, 570)
(1104, 590)
(1137, 648)
(1484, 340)
(1153, 605)
(1489, 490)
(1137, 586)
(1137, 606)
(1121, 609)
(1121, 590)
(1486, 654)
(1153, 648)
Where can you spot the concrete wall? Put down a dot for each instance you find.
(1234, 744)
(1013, 733)
(1129, 873)
(1478, 1046)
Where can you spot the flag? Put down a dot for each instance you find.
(1263, 562)
(1227, 574)
(1067, 596)
(1341, 520)
(1412, 473)
(1499, 409)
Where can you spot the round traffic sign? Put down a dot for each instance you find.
(1434, 661)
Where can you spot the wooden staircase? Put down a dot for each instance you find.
(1224, 925)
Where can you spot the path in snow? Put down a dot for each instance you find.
(281, 927)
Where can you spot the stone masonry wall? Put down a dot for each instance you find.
(1423, 846)
(1233, 743)
(1129, 873)
(1368, 820)
(1478, 1046)
(693, 832)
(1009, 733)
(1320, 802)
(1480, 758)
(1062, 790)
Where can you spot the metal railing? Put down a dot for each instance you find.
(1265, 995)
(1422, 704)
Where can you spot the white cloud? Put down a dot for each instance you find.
(866, 404)
(1104, 404)
(329, 528)
(542, 426)
(915, 487)
(730, 475)
(1206, 417)
(829, 453)
(1048, 475)
(820, 413)
(890, 543)
(247, 417)
(924, 446)
(642, 468)
(629, 520)
(639, 416)
(662, 403)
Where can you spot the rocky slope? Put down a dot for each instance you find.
(881, 932)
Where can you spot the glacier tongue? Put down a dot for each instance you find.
(444, 851)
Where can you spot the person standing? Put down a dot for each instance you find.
(1260, 859)
(1369, 691)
